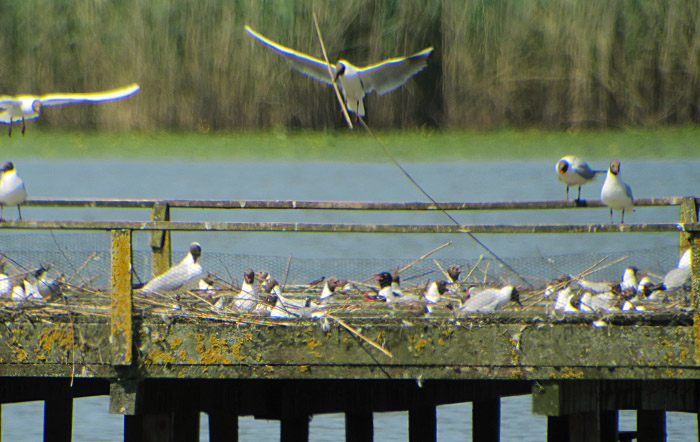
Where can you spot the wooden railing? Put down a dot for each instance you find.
(161, 227)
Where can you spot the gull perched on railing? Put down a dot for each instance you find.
(616, 194)
(19, 108)
(573, 171)
(355, 82)
(183, 276)
(12, 191)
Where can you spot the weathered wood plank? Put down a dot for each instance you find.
(338, 205)
(222, 226)
(160, 240)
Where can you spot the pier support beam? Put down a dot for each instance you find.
(185, 426)
(58, 416)
(223, 427)
(422, 424)
(651, 426)
(294, 429)
(558, 429)
(359, 426)
(486, 420)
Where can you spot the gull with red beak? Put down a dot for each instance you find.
(616, 194)
(12, 191)
(19, 108)
(573, 171)
(355, 82)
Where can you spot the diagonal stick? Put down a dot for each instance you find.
(330, 73)
(406, 174)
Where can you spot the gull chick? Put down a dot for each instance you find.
(12, 191)
(14, 109)
(355, 82)
(616, 194)
(573, 171)
(180, 277)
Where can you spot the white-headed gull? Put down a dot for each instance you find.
(616, 194)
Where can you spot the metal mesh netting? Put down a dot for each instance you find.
(85, 257)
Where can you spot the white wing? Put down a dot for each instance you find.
(59, 99)
(7, 102)
(305, 64)
(390, 74)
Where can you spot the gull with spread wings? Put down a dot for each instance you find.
(14, 109)
(355, 82)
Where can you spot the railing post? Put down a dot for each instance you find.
(160, 240)
(689, 214)
(121, 335)
(694, 239)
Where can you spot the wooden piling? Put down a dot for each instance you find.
(223, 427)
(185, 426)
(160, 240)
(486, 420)
(294, 428)
(58, 416)
(359, 426)
(558, 429)
(422, 424)
(651, 426)
(609, 425)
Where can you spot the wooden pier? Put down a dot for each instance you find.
(160, 373)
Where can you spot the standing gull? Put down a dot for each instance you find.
(19, 108)
(573, 171)
(12, 192)
(355, 82)
(616, 194)
(183, 276)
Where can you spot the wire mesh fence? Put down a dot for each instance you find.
(84, 259)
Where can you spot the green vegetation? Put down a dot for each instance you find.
(498, 63)
(676, 142)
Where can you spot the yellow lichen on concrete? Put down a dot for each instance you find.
(571, 373)
(63, 336)
(420, 344)
(696, 336)
(20, 354)
(236, 349)
(313, 343)
(159, 357)
(215, 356)
(213, 340)
(183, 355)
(175, 343)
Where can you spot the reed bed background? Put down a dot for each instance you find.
(497, 63)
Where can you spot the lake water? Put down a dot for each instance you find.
(459, 181)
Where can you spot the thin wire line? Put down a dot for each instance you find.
(396, 163)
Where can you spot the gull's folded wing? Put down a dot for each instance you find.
(305, 64)
(390, 74)
(59, 99)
